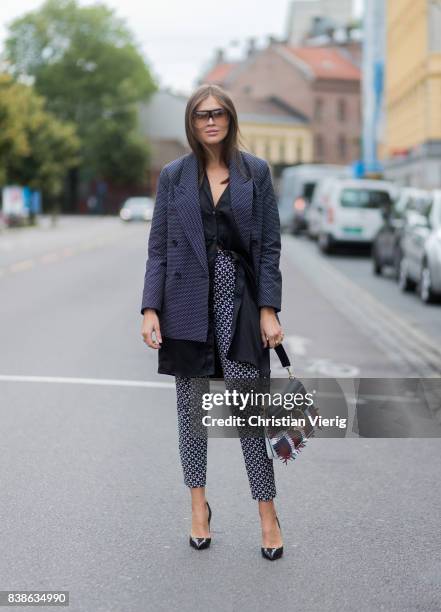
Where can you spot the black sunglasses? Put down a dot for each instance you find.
(215, 113)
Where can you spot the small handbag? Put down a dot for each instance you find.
(286, 442)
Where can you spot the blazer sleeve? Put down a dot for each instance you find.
(156, 265)
(270, 277)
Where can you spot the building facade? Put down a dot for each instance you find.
(412, 148)
(321, 83)
(273, 130)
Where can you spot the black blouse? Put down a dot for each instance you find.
(191, 358)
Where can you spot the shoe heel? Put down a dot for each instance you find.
(272, 553)
(201, 543)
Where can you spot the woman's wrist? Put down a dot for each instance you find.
(267, 310)
(148, 310)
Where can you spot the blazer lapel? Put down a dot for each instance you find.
(241, 190)
(188, 207)
(186, 195)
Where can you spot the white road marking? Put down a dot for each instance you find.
(297, 344)
(57, 255)
(86, 381)
(331, 368)
(22, 265)
(49, 257)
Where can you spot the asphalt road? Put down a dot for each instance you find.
(92, 499)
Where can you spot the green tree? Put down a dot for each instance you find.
(36, 149)
(13, 138)
(84, 61)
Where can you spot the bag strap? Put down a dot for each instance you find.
(284, 359)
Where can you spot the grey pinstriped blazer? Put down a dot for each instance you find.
(176, 281)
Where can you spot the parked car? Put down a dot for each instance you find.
(421, 246)
(137, 209)
(386, 248)
(297, 186)
(351, 211)
(318, 203)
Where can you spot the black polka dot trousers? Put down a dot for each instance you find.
(193, 447)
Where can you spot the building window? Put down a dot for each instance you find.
(342, 146)
(318, 109)
(341, 109)
(319, 147)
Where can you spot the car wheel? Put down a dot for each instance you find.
(376, 266)
(404, 282)
(295, 230)
(325, 243)
(397, 264)
(425, 290)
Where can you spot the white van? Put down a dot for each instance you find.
(350, 210)
(297, 184)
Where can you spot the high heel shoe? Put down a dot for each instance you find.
(273, 553)
(200, 543)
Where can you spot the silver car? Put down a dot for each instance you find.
(137, 209)
(421, 248)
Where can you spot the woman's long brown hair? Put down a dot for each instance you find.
(233, 139)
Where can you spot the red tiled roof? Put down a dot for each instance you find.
(326, 62)
(219, 72)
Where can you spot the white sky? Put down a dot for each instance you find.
(178, 37)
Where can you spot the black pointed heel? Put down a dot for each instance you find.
(201, 543)
(273, 553)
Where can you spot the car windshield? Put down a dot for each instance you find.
(308, 191)
(359, 197)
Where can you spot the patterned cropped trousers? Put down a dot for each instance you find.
(193, 448)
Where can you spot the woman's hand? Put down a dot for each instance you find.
(151, 324)
(270, 328)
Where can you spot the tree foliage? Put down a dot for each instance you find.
(83, 60)
(36, 149)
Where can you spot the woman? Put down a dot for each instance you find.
(212, 289)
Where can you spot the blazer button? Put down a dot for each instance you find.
(175, 242)
(178, 274)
